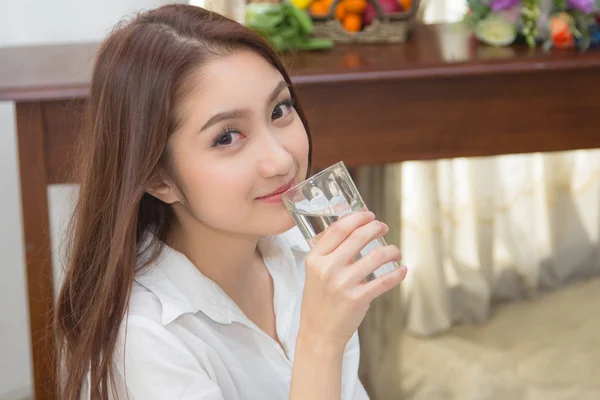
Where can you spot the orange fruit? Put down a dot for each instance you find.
(355, 6)
(406, 4)
(340, 11)
(319, 8)
(328, 3)
(352, 22)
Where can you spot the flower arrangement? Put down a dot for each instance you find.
(559, 24)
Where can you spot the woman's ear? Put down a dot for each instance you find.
(163, 189)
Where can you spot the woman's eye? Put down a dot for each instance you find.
(227, 138)
(282, 109)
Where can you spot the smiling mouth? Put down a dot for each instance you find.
(278, 191)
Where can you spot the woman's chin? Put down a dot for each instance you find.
(279, 224)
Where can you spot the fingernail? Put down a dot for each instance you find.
(404, 268)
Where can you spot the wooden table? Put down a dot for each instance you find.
(440, 95)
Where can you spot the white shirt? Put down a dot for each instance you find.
(186, 339)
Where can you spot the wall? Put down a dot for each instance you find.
(24, 22)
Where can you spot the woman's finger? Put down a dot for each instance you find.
(358, 239)
(335, 234)
(373, 261)
(371, 290)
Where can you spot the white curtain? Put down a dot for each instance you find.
(477, 231)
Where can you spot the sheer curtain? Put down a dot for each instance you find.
(476, 231)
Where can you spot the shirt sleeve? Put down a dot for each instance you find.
(360, 393)
(152, 364)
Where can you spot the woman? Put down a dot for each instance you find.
(186, 278)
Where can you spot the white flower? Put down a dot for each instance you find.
(496, 30)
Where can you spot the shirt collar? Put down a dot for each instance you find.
(181, 288)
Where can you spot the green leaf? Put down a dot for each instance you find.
(479, 10)
(289, 29)
(285, 26)
(266, 23)
(473, 4)
(280, 43)
(289, 33)
(264, 8)
(264, 17)
(560, 5)
(315, 44)
(304, 22)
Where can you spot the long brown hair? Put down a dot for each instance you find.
(140, 77)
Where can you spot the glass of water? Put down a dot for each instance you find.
(324, 198)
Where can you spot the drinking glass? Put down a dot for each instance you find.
(323, 199)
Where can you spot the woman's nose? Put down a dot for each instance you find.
(274, 158)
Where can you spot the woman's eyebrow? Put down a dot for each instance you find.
(280, 86)
(225, 115)
(240, 113)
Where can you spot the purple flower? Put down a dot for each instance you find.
(498, 5)
(512, 14)
(587, 6)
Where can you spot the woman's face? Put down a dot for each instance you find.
(240, 143)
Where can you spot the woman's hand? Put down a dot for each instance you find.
(336, 296)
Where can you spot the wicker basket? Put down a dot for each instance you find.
(386, 28)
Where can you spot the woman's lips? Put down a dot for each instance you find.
(275, 196)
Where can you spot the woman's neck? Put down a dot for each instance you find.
(231, 260)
